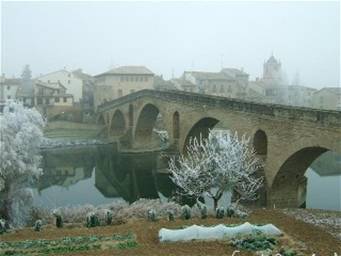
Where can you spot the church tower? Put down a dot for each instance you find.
(272, 70)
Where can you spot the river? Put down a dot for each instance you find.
(98, 175)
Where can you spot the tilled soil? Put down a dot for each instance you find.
(301, 236)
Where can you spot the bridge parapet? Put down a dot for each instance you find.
(321, 117)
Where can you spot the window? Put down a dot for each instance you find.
(68, 81)
(8, 87)
(69, 75)
(221, 88)
(56, 99)
(64, 99)
(47, 101)
(9, 97)
(119, 93)
(121, 78)
(39, 101)
(214, 88)
(136, 79)
(145, 79)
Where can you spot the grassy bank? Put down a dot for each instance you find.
(71, 130)
(304, 238)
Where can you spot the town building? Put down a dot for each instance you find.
(327, 98)
(121, 81)
(45, 95)
(229, 82)
(9, 88)
(184, 85)
(300, 96)
(74, 81)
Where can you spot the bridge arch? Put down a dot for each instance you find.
(289, 186)
(118, 125)
(260, 143)
(145, 124)
(201, 127)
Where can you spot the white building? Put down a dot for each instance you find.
(74, 81)
(9, 88)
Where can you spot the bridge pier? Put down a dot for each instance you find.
(289, 194)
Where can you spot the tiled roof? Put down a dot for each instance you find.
(233, 72)
(12, 81)
(208, 75)
(81, 75)
(128, 70)
(333, 90)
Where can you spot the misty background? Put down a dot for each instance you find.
(170, 37)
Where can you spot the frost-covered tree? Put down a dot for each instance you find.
(20, 138)
(222, 162)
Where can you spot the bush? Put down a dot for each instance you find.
(220, 213)
(171, 216)
(3, 228)
(186, 212)
(38, 225)
(92, 220)
(254, 242)
(203, 212)
(151, 215)
(287, 252)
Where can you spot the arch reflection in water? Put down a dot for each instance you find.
(98, 175)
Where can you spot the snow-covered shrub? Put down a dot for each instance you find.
(38, 225)
(109, 216)
(240, 214)
(92, 220)
(229, 212)
(222, 162)
(220, 212)
(139, 208)
(185, 212)
(21, 136)
(59, 219)
(203, 212)
(3, 228)
(171, 216)
(151, 215)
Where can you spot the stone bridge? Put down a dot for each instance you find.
(287, 138)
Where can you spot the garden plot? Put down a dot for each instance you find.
(67, 245)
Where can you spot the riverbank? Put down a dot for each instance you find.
(302, 237)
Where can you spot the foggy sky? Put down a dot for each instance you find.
(178, 36)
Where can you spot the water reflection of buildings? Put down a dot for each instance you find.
(129, 176)
(65, 167)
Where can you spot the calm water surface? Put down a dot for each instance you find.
(97, 175)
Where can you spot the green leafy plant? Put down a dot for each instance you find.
(287, 252)
(254, 242)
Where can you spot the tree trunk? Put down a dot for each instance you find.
(215, 200)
